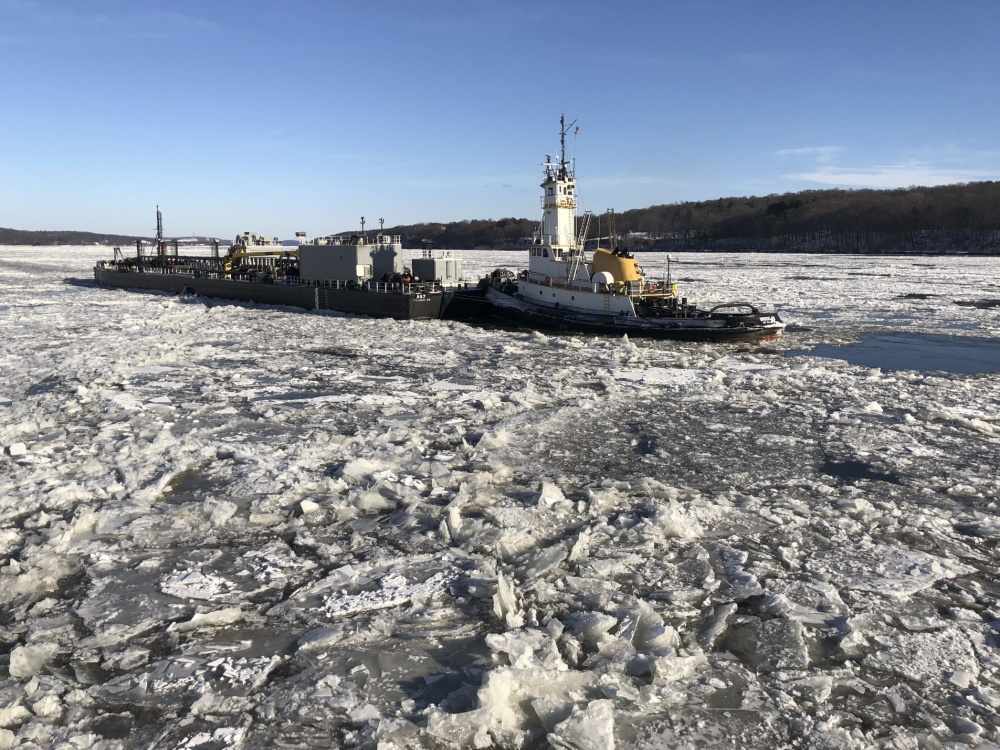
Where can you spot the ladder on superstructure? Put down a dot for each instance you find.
(612, 233)
(579, 241)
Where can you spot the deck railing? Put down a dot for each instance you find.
(621, 287)
(209, 271)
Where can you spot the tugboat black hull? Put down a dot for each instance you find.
(707, 326)
(468, 304)
(382, 302)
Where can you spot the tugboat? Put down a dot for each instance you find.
(606, 293)
(350, 274)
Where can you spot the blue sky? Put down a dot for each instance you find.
(272, 117)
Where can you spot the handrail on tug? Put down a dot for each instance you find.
(725, 305)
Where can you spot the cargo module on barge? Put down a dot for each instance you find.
(348, 273)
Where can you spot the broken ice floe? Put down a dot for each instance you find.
(393, 590)
(229, 523)
(193, 584)
(889, 571)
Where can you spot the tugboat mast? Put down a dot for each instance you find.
(563, 129)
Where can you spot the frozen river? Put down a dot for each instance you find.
(230, 525)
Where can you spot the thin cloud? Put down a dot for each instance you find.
(27, 21)
(892, 176)
(820, 153)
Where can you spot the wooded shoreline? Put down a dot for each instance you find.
(962, 218)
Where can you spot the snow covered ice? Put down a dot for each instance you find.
(233, 525)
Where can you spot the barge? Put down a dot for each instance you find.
(353, 274)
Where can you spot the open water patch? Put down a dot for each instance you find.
(982, 304)
(852, 469)
(924, 352)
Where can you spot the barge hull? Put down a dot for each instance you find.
(383, 304)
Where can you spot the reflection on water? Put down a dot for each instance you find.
(916, 351)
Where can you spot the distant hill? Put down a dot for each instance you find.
(49, 237)
(952, 218)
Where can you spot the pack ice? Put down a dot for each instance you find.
(243, 526)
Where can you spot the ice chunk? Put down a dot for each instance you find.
(613, 656)
(218, 512)
(361, 468)
(590, 627)
(961, 678)
(364, 713)
(667, 669)
(817, 688)
(589, 728)
(678, 376)
(469, 729)
(42, 575)
(48, 707)
(393, 591)
(675, 522)
(781, 644)
(580, 547)
(505, 711)
(527, 649)
(27, 661)
(505, 603)
(928, 656)
(645, 629)
(545, 560)
(218, 618)
(889, 571)
(221, 737)
(813, 603)
(13, 715)
(859, 630)
(551, 710)
(17, 449)
(742, 583)
(193, 584)
(716, 624)
(180, 679)
(322, 638)
(550, 495)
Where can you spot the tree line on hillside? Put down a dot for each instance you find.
(49, 237)
(950, 218)
(963, 217)
(485, 234)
